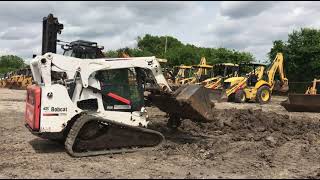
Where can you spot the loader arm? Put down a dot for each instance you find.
(240, 85)
(313, 88)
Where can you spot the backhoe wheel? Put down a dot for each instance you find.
(231, 98)
(263, 95)
(240, 96)
(173, 122)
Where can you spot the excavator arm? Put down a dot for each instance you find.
(277, 66)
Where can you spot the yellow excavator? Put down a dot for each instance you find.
(258, 84)
(218, 74)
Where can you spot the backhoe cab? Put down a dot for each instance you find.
(196, 73)
(219, 73)
(181, 73)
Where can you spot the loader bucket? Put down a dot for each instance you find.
(302, 103)
(193, 102)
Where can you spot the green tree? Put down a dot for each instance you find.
(10, 62)
(178, 53)
(301, 54)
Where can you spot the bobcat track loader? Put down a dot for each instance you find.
(95, 105)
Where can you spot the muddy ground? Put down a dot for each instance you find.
(245, 141)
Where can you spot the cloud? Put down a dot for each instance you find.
(250, 26)
(242, 9)
(112, 24)
(246, 26)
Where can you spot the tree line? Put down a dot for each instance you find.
(10, 63)
(178, 53)
(301, 53)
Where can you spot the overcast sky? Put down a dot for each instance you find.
(246, 26)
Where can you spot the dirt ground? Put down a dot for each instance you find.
(245, 141)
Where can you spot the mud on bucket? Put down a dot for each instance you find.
(193, 102)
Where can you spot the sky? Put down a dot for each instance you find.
(249, 26)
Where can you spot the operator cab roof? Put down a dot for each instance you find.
(83, 49)
(225, 64)
(202, 66)
(254, 64)
(183, 66)
(84, 43)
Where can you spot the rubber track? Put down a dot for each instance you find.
(76, 127)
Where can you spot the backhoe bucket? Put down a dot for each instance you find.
(302, 103)
(281, 87)
(193, 102)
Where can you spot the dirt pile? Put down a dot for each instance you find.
(250, 141)
(241, 143)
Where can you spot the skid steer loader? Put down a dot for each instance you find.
(95, 105)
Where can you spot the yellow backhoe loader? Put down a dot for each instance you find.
(12, 81)
(182, 73)
(5, 79)
(23, 82)
(18, 79)
(218, 74)
(201, 73)
(258, 84)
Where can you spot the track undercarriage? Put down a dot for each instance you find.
(91, 135)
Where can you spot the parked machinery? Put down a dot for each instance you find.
(259, 83)
(314, 88)
(196, 73)
(21, 80)
(307, 102)
(218, 74)
(181, 73)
